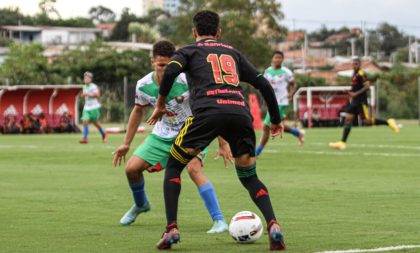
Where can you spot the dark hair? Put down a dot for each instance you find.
(206, 23)
(163, 48)
(278, 52)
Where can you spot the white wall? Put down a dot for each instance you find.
(49, 37)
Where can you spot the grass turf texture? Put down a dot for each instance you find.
(57, 195)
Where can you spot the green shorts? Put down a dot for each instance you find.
(91, 115)
(155, 151)
(283, 114)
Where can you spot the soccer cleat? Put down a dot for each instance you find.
(301, 137)
(219, 226)
(275, 236)
(340, 145)
(83, 141)
(171, 236)
(131, 215)
(393, 125)
(104, 138)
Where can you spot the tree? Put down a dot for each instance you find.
(101, 14)
(143, 32)
(12, 16)
(25, 64)
(391, 38)
(120, 31)
(47, 8)
(249, 25)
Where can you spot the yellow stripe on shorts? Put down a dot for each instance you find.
(183, 131)
(365, 111)
(178, 156)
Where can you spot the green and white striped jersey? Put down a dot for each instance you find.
(279, 80)
(147, 92)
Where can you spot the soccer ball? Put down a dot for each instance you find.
(245, 227)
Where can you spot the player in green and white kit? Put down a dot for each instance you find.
(280, 79)
(153, 154)
(92, 107)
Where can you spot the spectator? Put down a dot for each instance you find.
(26, 124)
(43, 124)
(66, 125)
(11, 126)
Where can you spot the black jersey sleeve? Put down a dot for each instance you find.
(249, 74)
(175, 67)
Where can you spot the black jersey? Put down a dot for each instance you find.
(214, 71)
(357, 83)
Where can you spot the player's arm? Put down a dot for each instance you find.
(134, 121)
(175, 67)
(293, 88)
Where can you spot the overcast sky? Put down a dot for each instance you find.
(307, 14)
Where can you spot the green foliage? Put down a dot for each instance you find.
(102, 14)
(120, 31)
(304, 80)
(5, 41)
(12, 16)
(247, 25)
(398, 92)
(25, 64)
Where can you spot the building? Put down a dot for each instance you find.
(170, 6)
(49, 35)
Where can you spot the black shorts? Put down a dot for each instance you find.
(358, 108)
(198, 132)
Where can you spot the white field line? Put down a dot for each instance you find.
(18, 146)
(393, 248)
(342, 153)
(360, 145)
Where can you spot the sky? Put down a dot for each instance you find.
(299, 14)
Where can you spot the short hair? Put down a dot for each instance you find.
(278, 52)
(206, 23)
(163, 48)
(89, 74)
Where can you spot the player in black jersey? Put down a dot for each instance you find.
(214, 71)
(359, 105)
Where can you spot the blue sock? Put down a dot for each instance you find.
(259, 149)
(102, 132)
(139, 194)
(294, 131)
(210, 200)
(85, 131)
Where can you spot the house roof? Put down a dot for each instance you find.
(26, 28)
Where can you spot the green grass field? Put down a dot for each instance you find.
(59, 196)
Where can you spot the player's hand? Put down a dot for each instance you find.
(276, 130)
(225, 152)
(352, 94)
(119, 154)
(158, 114)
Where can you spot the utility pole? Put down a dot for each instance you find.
(410, 55)
(353, 46)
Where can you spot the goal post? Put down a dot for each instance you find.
(327, 100)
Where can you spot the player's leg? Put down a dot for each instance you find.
(86, 120)
(367, 120)
(265, 136)
(95, 115)
(288, 129)
(134, 172)
(196, 134)
(242, 145)
(208, 194)
(351, 110)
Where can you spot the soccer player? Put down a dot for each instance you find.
(92, 107)
(280, 79)
(153, 154)
(214, 71)
(358, 105)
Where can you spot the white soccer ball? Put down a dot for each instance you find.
(245, 227)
